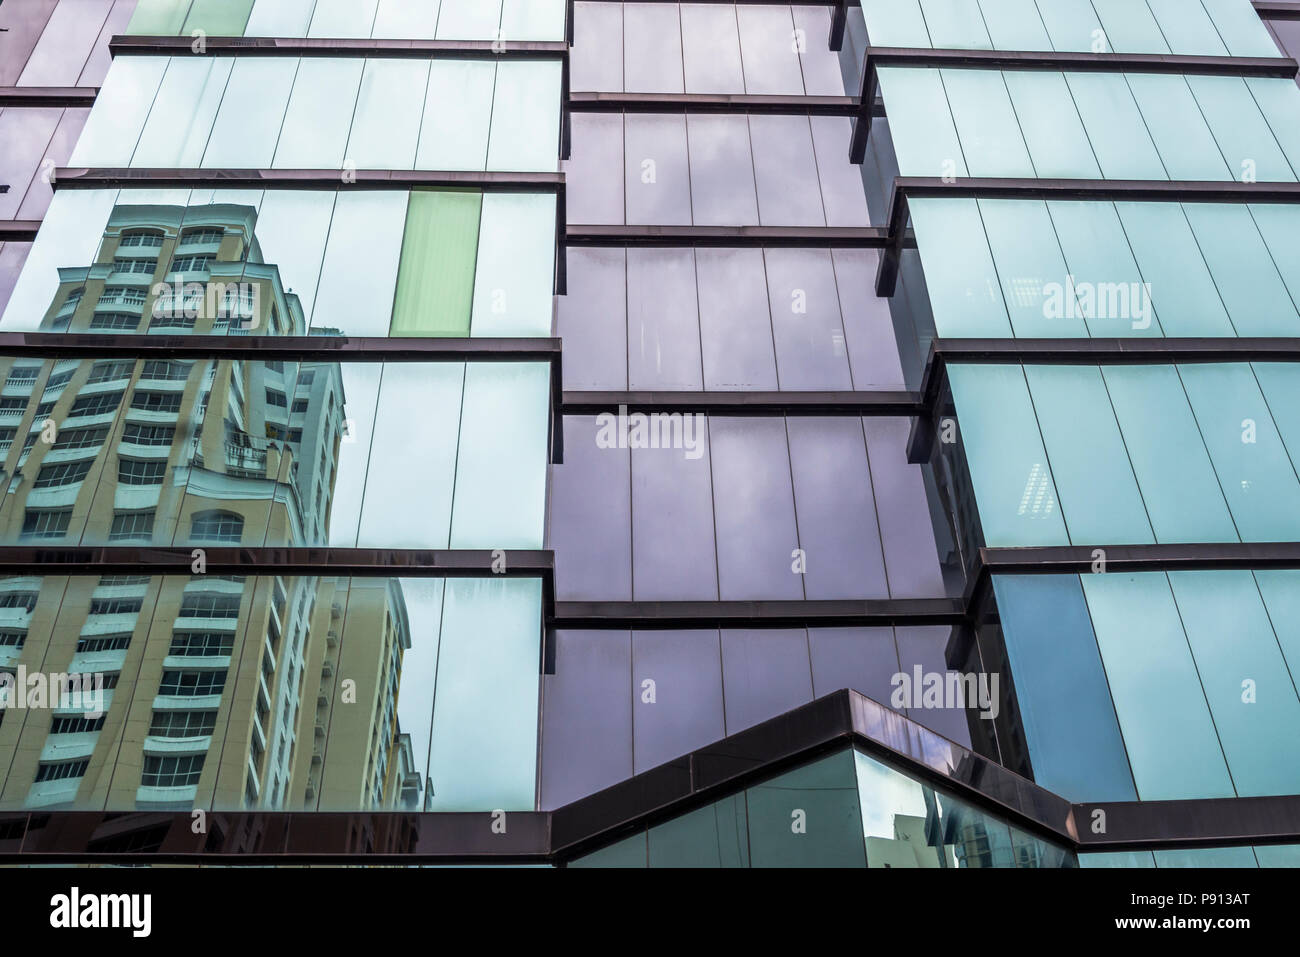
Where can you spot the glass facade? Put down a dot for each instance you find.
(564, 416)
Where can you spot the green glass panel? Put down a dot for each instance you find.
(713, 836)
(1181, 491)
(999, 434)
(158, 18)
(435, 280)
(807, 817)
(1099, 495)
(219, 18)
(1168, 732)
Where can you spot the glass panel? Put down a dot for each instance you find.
(280, 18)
(1130, 27)
(895, 23)
(532, 19)
(1243, 136)
(404, 20)
(592, 319)
(218, 18)
(864, 659)
(110, 134)
(1168, 455)
(652, 48)
(1177, 126)
(806, 321)
(252, 112)
(673, 554)
(767, 44)
(991, 140)
(1188, 28)
(1170, 736)
(1072, 24)
(684, 669)
(158, 18)
(457, 115)
(435, 282)
(1050, 123)
(526, 117)
(808, 817)
(907, 530)
(1061, 692)
(959, 273)
(594, 479)
(1254, 470)
(1279, 100)
(710, 50)
(657, 170)
(316, 124)
(469, 20)
(662, 330)
(191, 90)
(483, 747)
(1202, 857)
(722, 170)
(1100, 500)
(785, 171)
(735, 324)
(1240, 27)
(920, 123)
(515, 276)
(1246, 681)
(955, 24)
(343, 18)
(1116, 128)
(500, 499)
(386, 127)
(713, 836)
(360, 268)
(1035, 281)
(1009, 469)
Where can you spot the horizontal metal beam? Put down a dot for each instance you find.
(48, 96)
(488, 182)
(747, 103)
(828, 237)
(745, 403)
(331, 47)
(18, 230)
(605, 615)
(1277, 10)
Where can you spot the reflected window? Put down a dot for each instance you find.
(217, 526)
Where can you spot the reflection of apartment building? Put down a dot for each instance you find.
(211, 673)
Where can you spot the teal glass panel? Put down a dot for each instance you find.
(1168, 731)
(218, 18)
(1248, 281)
(1280, 589)
(1277, 855)
(895, 23)
(1207, 857)
(808, 817)
(515, 278)
(972, 838)
(955, 24)
(386, 126)
(1244, 138)
(1246, 681)
(1255, 472)
(251, 113)
(1280, 383)
(1240, 27)
(1073, 737)
(500, 499)
(713, 836)
(316, 123)
(986, 123)
(999, 434)
(1015, 25)
(1187, 28)
(180, 121)
(897, 821)
(280, 18)
(1279, 100)
(959, 273)
(920, 123)
(121, 108)
(1100, 500)
(483, 748)
(457, 115)
(1108, 287)
(1117, 859)
(1072, 24)
(1031, 269)
(629, 852)
(1118, 134)
(1181, 490)
(1186, 146)
(1051, 126)
(343, 18)
(525, 132)
(1130, 27)
(1182, 291)
(1280, 227)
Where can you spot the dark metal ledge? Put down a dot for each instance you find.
(823, 237)
(748, 103)
(49, 96)
(1079, 559)
(906, 188)
(1277, 9)
(18, 230)
(490, 182)
(745, 403)
(1171, 825)
(606, 615)
(122, 45)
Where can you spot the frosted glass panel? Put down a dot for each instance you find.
(516, 266)
(360, 269)
(457, 114)
(252, 111)
(386, 126)
(114, 125)
(315, 131)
